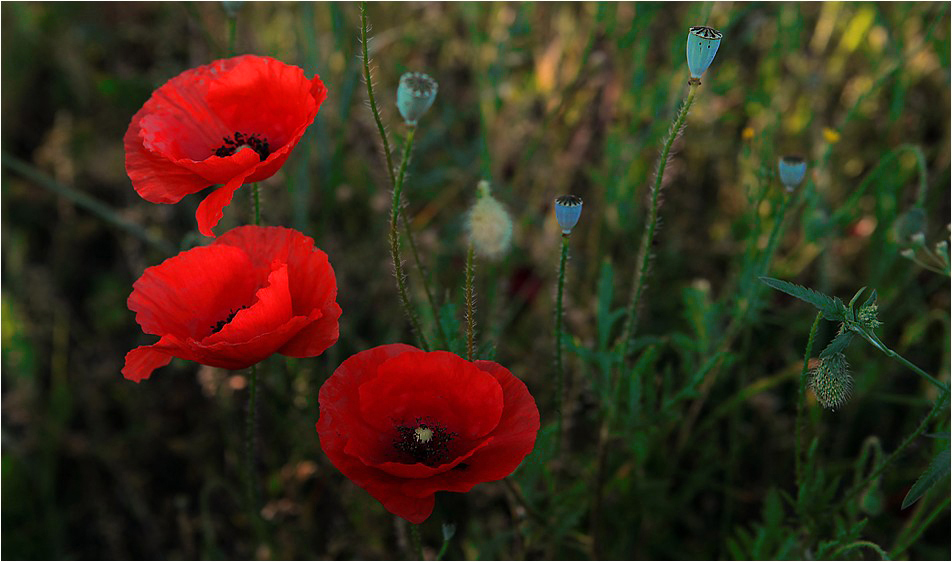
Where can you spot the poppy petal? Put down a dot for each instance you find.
(154, 177)
(437, 385)
(311, 278)
(210, 209)
(141, 361)
(270, 309)
(188, 294)
(317, 336)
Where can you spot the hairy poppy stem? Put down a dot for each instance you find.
(801, 397)
(395, 245)
(257, 203)
(232, 34)
(401, 280)
(651, 224)
(470, 305)
(250, 420)
(559, 368)
(416, 540)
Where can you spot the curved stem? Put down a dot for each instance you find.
(873, 339)
(801, 396)
(854, 545)
(651, 224)
(395, 246)
(470, 305)
(559, 368)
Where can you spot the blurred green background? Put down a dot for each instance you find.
(540, 99)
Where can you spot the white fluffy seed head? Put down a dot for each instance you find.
(489, 224)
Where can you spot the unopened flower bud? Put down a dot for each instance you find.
(489, 225)
(792, 169)
(868, 316)
(415, 95)
(702, 46)
(831, 382)
(568, 209)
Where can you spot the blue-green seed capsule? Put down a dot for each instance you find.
(568, 209)
(792, 169)
(415, 95)
(703, 42)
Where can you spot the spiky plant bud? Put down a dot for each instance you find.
(488, 223)
(831, 382)
(868, 317)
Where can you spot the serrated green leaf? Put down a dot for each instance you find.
(870, 300)
(838, 345)
(831, 308)
(938, 470)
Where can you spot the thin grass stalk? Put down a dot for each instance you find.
(84, 201)
(559, 367)
(470, 305)
(801, 397)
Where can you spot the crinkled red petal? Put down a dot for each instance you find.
(188, 294)
(438, 385)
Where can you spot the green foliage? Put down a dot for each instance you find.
(831, 307)
(938, 471)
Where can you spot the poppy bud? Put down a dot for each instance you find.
(792, 169)
(702, 45)
(568, 209)
(831, 381)
(488, 223)
(415, 95)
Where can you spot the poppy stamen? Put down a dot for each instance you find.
(222, 323)
(253, 141)
(424, 441)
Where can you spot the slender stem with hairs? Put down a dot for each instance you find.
(416, 540)
(254, 502)
(395, 246)
(257, 203)
(873, 339)
(651, 223)
(470, 305)
(801, 396)
(559, 368)
(384, 139)
(232, 34)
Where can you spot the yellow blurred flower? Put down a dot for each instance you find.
(830, 136)
(747, 133)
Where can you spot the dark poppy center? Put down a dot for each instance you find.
(253, 141)
(424, 441)
(222, 323)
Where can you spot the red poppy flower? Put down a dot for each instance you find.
(403, 424)
(231, 122)
(255, 291)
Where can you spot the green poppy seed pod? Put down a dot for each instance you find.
(792, 169)
(489, 225)
(831, 382)
(702, 45)
(568, 209)
(415, 95)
